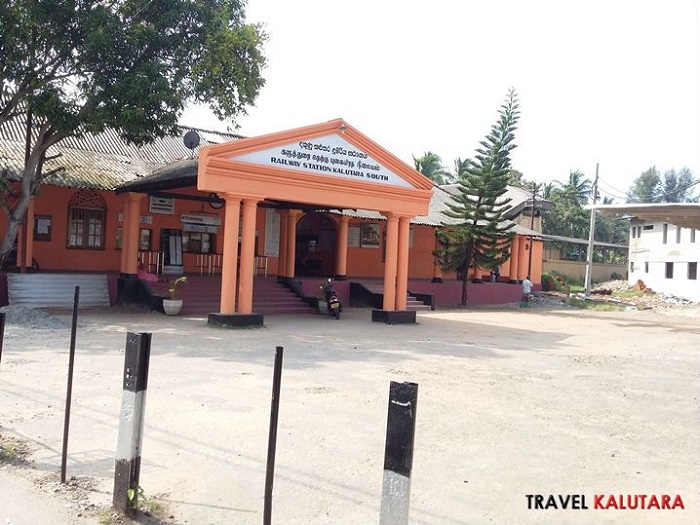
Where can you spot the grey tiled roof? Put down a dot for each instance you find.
(438, 203)
(103, 160)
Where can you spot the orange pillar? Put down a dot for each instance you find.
(342, 254)
(392, 244)
(132, 232)
(282, 256)
(229, 266)
(514, 259)
(245, 287)
(524, 252)
(402, 263)
(291, 241)
(536, 270)
(125, 222)
(437, 271)
(29, 243)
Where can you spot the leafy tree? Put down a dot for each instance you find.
(71, 67)
(566, 218)
(646, 187)
(577, 188)
(651, 187)
(475, 234)
(430, 165)
(461, 167)
(678, 187)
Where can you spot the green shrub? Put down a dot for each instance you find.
(616, 277)
(553, 282)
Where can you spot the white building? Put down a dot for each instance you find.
(664, 246)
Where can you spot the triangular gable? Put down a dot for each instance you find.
(330, 164)
(333, 149)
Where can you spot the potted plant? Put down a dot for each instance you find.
(173, 304)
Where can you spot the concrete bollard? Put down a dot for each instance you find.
(398, 453)
(128, 464)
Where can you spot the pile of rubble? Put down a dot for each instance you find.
(644, 298)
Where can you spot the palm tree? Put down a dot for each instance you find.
(430, 165)
(577, 188)
(461, 167)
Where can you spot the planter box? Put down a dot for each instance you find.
(172, 306)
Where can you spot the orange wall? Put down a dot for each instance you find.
(361, 262)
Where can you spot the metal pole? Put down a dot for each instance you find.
(591, 233)
(2, 332)
(398, 453)
(128, 463)
(69, 388)
(272, 440)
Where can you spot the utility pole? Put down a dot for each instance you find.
(532, 227)
(591, 234)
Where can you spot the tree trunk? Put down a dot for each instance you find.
(28, 187)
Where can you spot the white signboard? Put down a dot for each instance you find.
(328, 155)
(161, 205)
(200, 219)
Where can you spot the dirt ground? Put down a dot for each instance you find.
(511, 402)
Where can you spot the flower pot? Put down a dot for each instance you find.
(172, 306)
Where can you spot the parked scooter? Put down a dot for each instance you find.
(332, 301)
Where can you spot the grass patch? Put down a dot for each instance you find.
(597, 307)
(13, 450)
(629, 293)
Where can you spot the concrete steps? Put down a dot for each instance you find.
(201, 295)
(411, 302)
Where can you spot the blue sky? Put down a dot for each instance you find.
(613, 82)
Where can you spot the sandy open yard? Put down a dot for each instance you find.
(511, 403)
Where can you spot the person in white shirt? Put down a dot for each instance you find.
(527, 289)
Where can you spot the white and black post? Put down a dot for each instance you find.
(398, 453)
(128, 464)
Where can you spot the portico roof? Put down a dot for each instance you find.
(684, 214)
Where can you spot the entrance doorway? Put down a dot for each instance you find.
(315, 246)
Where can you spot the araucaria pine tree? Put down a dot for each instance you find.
(475, 234)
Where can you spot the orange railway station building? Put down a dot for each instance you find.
(299, 205)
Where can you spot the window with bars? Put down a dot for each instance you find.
(195, 242)
(86, 229)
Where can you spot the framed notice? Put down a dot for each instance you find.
(354, 236)
(370, 235)
(42, 227)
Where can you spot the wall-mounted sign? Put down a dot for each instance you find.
(161, 205)
(200, 219)
(201, 228)
(328, 155)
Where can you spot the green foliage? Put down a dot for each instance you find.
(475, 233)
(430, 165)
(127, 65)
(595, 306)
(135, 497)
(553, 282)
(12, 450)
(568, 218)
(651, 187)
